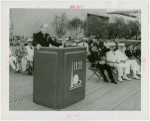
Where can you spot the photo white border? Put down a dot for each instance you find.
(84, 115)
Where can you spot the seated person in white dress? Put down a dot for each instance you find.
(12, 59)
(113, 60)
(123, 58)
(30, 51)
(84, 44)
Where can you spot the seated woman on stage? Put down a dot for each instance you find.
(12, 59)
(21, 61)
(96, 60)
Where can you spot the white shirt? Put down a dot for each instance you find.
(30, 50)
(121, 55)
(85, 45)
(111, 56)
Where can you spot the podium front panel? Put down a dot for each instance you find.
(75, 75)
(45, 78)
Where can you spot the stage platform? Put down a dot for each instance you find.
(100, 96)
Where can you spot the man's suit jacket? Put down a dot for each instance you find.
(129, 54)
(44, 41)
(94, 57)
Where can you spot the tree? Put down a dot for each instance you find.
(93, 25)
(59, 25)
(75, 27)
(134, 27)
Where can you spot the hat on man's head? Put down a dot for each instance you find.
(121, 44)
(111, 44)
(29, 40)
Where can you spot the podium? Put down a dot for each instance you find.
(59, 76)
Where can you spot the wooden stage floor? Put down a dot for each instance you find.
(100, 96)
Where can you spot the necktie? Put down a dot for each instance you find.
(83, 44)
(44, 35)
(31, 47)
(113, 52)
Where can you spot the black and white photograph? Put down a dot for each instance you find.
(75, 59)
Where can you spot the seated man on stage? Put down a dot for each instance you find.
(130, 53)
(124, 59)
(114, 61)
(94, 42)
(94, 57)
(43, 39)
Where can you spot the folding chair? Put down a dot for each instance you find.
(94, 70)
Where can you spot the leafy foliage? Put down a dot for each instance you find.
(59, 25)
(75, 27)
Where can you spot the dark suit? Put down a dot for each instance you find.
(129, 54)
(93, 44)
(44, 41)
(96, 57)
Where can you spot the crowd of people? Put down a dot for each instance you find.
(102, 54)
(21, 57)
(114, 55)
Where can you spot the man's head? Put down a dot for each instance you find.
(94, 49)
(130, 47)
(95, 39)
(120, 46)
(112, 46)
(44, 28)
(29, 41)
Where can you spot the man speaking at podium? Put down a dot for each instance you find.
(43, 39)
